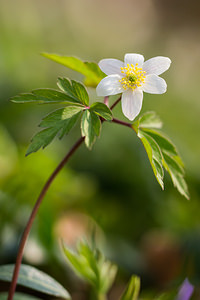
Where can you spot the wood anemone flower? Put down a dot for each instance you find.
(131, 78)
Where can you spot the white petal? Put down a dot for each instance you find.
(154, 84)
(109, 85)
(111, 66)
(157, 65)
(132, 103)
(134, 58)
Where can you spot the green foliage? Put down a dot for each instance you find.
(92, 266)
(90, 127)
(91, 123)
(62, 120)
(132, 290)
(161, 152)
(34, 279)
(90, 70)
(44, 96)
(18, 296)
(150, 120)
(73, 93)
(102, 110)
(74, 89)
(59, 122)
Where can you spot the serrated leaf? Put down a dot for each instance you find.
(42, 139)
(44, 96)
(161, 152)
(102, 110)
(92, 266)
(132, 290)
(154, 155)
(103, 269)
(18, 296)
(61, 116)
(90, 127)
(80, 265)
(90, 255)
(150, 120)
(154, 146)
(164, 143)
(91, 71)
(74, 89)
(170, 160)
(32, 278)
(176, 173)
(59, 122)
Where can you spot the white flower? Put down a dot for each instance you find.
(131, 78)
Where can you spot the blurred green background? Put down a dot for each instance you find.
(145, 231)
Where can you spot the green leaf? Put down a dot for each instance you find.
(89, 81)
(108, 273)
(80, 265)
(90, 127)
(44, 96)
(91, 71)
(154, 155)
(74, 89)
(41, 140)
(176, 173)
(32, 278)
(171, 161)
(154, 146)
(103, 269)
(161, 152)
(92, 266)
(164, 143)
(102, 110)
(132, 290)
(150, 120)
(59, 117)
(18, 296)
(59, 122)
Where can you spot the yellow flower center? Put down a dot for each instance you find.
(134, 76)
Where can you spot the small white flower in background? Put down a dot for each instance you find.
(131, 78)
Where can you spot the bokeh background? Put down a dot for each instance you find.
(111, 190)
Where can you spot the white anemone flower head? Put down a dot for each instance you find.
(131, 78)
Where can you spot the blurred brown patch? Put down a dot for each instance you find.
(162, 255)
(178, 12)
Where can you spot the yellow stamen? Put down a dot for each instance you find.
(134, 76)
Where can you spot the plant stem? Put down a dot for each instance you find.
(37, 205)
(106, 101)
(33, 215)
(115, 103)
(122, 123)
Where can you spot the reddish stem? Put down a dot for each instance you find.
(33, 215)
(122, 123)
(115, 103)
(106, 101)
(37, 205)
